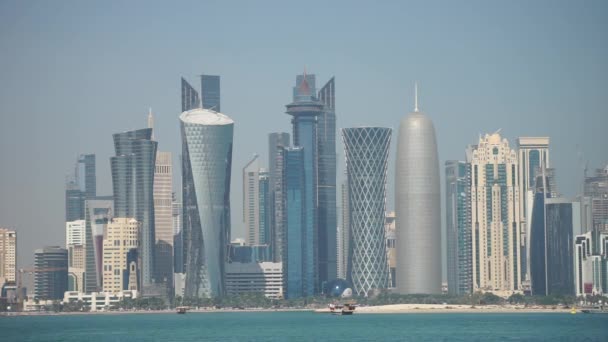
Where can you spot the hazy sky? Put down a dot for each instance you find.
(73, 73)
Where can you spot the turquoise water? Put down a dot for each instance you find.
(306, 326)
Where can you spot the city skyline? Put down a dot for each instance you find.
(446, 93)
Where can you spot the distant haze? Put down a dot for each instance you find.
(75, 72)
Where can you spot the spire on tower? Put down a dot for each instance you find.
(151, 121)
(415, 97)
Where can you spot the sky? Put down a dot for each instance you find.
(72, 73)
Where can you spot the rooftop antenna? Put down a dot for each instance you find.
(415, 97)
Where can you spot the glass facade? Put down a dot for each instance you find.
(206, 169)
(98, 211)
(328, 221)
(366, 150)
(79, 187)
(305, 109)
(51, 281)
(458, 226)
(210, 92)
(298, 268)
(276, 141)
(86, 175)
(264, 208)
(133, 186)
(190, 99)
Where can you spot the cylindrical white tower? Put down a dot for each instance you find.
(417, 206)
(206, 166)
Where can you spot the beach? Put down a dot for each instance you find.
(445, 308)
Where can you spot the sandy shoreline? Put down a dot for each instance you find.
(130, 312)
(441, 308)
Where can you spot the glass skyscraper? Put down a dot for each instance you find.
(133, 186)
(210, 92)
(206, 168)
(366, 150)
(98, 212)
(264, 207)
(275, 179)
(51, 273)
(458, 223)
(82, 185)
(305, 109)
(298, 264)
(190, 98)
(328, 222)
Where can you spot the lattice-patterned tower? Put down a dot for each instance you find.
(366, 150)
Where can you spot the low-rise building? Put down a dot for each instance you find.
(99, 301)
(263, 277)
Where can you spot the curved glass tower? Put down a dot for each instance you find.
(366, 150)
(206, 167)
(417, 206)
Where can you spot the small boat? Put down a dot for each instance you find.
(182, 309)
(598, 309)
(346, 309)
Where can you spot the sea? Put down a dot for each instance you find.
(307, 326)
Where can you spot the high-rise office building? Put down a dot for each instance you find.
(163, 217)
(133, 185)
(251, 196)
(264, 208)
(596, 188)
(391, 245)
(328, 221)
(366, 150)
(591, 263)
(495, 216)
(75, 232)
(555, 222)
(304, 110)
(533, 155)
(298, 265)
(178, 240)
(344, 234)
(51, 273)
(76, 267)
(98, 212)
(80, 186)
(210, 92)
(458, 226)
(277, 204)
(190, 98)
(86, 175)
(418, 206)
(74, 201)
(206, 167)
(8, 256)
(119, 255)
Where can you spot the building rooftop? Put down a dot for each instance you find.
(205, 117)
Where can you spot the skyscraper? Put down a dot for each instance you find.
(178, 240)
(133, 185)
(417, 206)
(596, 188)
(366, 150)
(328, 221)
(163, 217)
(251, 200)
(458, 226)
(210, 92)
(119, 248)
(74, 201)
(190, 98)
(533, 155)
(495, 217)
(207, 160)
(264, 208)
(344, 234)
(75, 233)
(298, 267)
(305, 109)
(86, 175)
(98, 212)
(51, 273)
(591, 263)
(8, 256)
(551, 246)
(277, 204)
